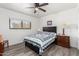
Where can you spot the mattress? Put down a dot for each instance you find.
(42, 39)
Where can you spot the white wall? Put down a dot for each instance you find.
(78, 26)
(78, 32)
(70, 17)
(15, 35)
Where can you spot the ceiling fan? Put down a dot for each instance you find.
(38, 6)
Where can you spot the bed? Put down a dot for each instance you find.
(40, 40)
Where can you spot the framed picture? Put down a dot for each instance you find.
(19, 24)
(49, 22)
(26, 24)
(14, 24)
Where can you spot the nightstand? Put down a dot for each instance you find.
(1, 45)
(63, 41)
(1, 48)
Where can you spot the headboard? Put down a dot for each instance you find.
(50, 29)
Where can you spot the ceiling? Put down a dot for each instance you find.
(51, 8)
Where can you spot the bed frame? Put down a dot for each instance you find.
(46, 29)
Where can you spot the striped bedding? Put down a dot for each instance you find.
(43, 36)
(41, 39)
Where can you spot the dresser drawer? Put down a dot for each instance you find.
(63, 40)
(64, 44)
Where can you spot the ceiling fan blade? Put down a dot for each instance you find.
(43, 4)
(34, 11)
(42, 9)
(30, 7)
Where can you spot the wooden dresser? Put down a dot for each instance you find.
(1, 46)
(63, 41)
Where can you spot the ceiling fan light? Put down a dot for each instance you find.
(36, 8)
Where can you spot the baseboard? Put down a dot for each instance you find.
(15, 44)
